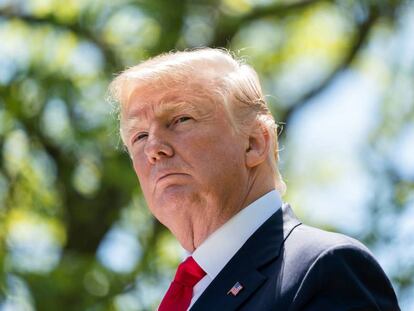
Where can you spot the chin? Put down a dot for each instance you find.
(177, 194)
(176, 199)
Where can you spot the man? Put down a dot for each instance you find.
(204, 147)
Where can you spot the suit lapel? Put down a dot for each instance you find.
(262, 247)
(215, 296)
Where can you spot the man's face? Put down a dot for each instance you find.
(189, 160)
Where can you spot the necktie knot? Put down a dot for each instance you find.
(189, 272)
(178, 296)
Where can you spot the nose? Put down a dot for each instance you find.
(157, 148)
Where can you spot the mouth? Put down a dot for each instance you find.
(164, 176)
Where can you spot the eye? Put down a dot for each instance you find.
(181, 119)
(139, 137)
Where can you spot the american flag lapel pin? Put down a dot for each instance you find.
(235, 289)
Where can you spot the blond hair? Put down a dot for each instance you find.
(222, 78)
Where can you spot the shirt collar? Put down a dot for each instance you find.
(217, 250)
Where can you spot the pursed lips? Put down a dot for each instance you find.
(166, 174)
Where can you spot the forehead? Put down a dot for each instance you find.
(157, 102)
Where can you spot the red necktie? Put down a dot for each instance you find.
(178, 296)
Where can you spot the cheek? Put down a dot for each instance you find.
(217, 156)
(140, 170)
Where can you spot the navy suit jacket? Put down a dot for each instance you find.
(288, 266)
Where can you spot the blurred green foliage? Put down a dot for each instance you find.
(74, 230)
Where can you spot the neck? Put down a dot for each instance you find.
(198, 229)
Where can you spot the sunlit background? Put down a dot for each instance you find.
(75, 233)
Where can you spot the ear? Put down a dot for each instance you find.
(258, 145)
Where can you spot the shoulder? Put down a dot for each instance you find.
(335, 269)
(311, 242)
(319, 241)
(326, 252)
(308, 244)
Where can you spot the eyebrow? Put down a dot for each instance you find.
(135, 118)
(162, 108)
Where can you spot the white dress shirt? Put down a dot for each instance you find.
(217, 250)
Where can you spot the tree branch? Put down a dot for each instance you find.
(360, 39)
(228, 26)
(278, 9)
(112, 61)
